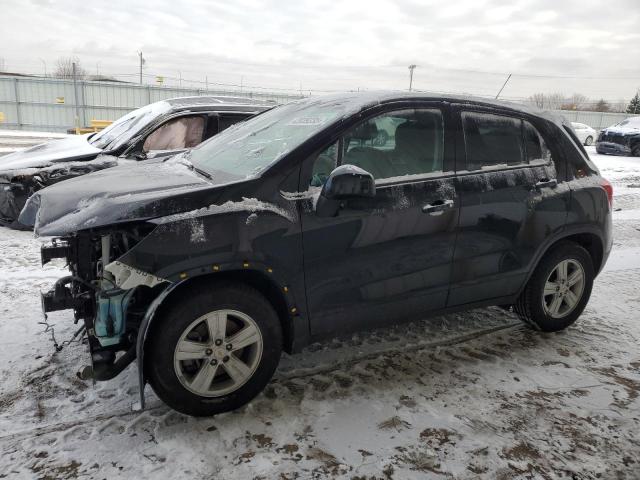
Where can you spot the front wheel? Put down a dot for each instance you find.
(588, 141)
(213, 350)
(558, 290)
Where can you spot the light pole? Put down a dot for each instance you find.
(411, 69)
(141, 63)
(44, 64)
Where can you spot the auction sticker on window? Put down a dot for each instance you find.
(307, 121)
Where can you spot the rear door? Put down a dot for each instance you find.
(512, 199)
(389, 257)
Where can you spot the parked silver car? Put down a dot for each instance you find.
(585, 133)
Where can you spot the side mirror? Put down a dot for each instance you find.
(346, 181)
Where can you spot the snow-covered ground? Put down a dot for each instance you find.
(471, 395)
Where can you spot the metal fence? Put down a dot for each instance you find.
(52, 105)
(596, 120)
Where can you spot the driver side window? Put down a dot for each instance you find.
(178, 133)
(392, 145)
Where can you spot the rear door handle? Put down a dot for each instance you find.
(547, 184)
(438, 207)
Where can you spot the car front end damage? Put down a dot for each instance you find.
(618, 142)
(109, 297)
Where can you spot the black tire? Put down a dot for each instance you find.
(178, 316)
(635, 150)
(588, 141)
(529, 306)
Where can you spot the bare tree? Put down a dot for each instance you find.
(537, 99)
(551, 101)
(64, 68)
(554, 101)
(577, 101)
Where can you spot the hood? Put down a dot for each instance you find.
(150, 189)
(73, 147)
(622, 130)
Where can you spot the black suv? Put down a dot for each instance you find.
(621, 139)
(299, 224)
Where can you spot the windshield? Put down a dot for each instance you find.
(633, 122)
(246, 149)
(126, 127)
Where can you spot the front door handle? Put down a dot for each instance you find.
(553, 183)
(438, 207)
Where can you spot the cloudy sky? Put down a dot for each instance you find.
(464, 46)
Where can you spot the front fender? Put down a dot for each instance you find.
(142, 335)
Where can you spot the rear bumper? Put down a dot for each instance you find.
(612, 148)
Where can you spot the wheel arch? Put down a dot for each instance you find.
(590, 240)
(277, 295)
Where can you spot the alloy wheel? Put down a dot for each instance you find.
(563, 288)
(218, 353)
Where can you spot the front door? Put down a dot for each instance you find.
(384, 258)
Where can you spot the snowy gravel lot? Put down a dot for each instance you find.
(471, 395)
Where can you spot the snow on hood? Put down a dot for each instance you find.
(73, 147)
(623, 130)
(131, 192)
(630, 128)
(251, 205)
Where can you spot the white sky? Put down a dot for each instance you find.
(465, 46)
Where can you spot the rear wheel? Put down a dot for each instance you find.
(214, 350)
(589, 141)
(558, 290)
(635, 150)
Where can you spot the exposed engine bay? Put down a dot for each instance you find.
(108, 296)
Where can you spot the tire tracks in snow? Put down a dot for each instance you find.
(279, 378)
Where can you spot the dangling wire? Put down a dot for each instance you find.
(49, 328)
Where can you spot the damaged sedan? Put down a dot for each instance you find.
(299, 224)
(158, 129)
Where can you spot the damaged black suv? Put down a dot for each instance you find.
(299, 224)
(621, 139)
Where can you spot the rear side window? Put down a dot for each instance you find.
(494, 141)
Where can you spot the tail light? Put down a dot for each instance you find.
(609, 189)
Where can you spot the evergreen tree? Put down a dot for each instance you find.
(634, 104)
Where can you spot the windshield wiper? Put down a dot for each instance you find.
(183, 158)
(202, 172)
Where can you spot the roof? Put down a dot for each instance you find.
(217, 101)
(362, 100)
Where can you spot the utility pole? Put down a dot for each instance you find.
(45, 66)
(411, 69)
(503, 85)
(141, 63)
(75, 98)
